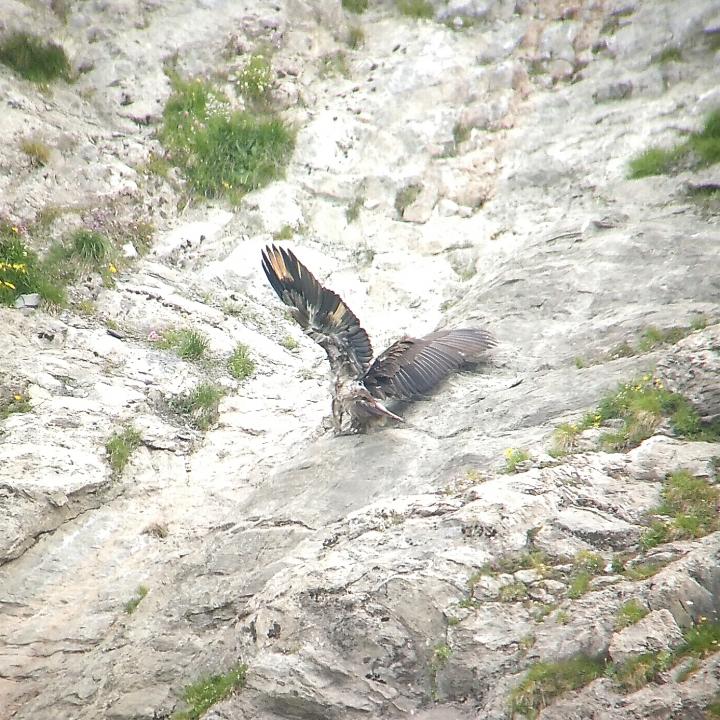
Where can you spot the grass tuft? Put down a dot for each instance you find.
(22, 272)
(13, 401)
(691, 503)
(38, 151)
(638, 671)
(120, 447)
(199, 407)
(654, 161)
(255, 80)
(206, 692)
(406, 197)
(33, 58)
(356, 37)
(667, 55)
(240, 364)
(418, 9)
(513, 458)
(222, 152)
(140, 593)
(545, 681)
(90, 246)
(642, 405)
(355, 6)
(630, 613)
(186, 343)
(699, 150)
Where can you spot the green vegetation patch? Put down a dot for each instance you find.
(642, 405)
(630, 613)
(419, 9)
(120, 447)
(699, 641)
(334, 65)
(290, 343)
(546, 681)
(140, 593)
(356, 37)
(21, 271)
(355, 6)
(240, 364)
(206, 692)
(38, 151)
(255, 80)
(406, 197)
(585, 566)
(667, 55)
(513, 458)
(12, 401)
(638, 671)
(222, 152)
(353, 210)
(200, 406)
(699, 150)
(33, 58)
(186, 343)
(691, 505)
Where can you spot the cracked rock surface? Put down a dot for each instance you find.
(402, 572)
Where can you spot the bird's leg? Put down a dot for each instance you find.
(337, 414)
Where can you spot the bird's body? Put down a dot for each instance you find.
(408, 370)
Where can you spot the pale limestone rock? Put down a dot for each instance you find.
(656, 632)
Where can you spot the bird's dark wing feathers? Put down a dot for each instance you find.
(320, 312)
(410, 368)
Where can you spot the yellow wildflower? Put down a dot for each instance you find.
(18, 398)
(112, 268)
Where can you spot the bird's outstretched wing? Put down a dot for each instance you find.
(320, 312)
(410, 368)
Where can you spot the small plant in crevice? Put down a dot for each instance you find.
(642, 405)
(355, 37)
(334, 64)
(33, 58)
(630, 612)
(689, 510)
(22, 272)
(205, 692)
(406, 196)
(255, 80)
(290, 343)
(699, 641)
(353, 210)
(418, 9)
(513, 458)
(185, 343)
(701, 149)
(13, 400)
(140, 593)
(513, 592)
(586, 565)
(240, 364)
(667, 55)
(286, 232)
(439, 659)
(355, 6)
(120, 446)
(199, 406)
(37, 151)
(546, 681)
(638, 671)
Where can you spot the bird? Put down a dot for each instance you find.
(408, 370)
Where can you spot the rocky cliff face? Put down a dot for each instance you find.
(468, 169)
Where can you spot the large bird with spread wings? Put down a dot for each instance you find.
(408, 370)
